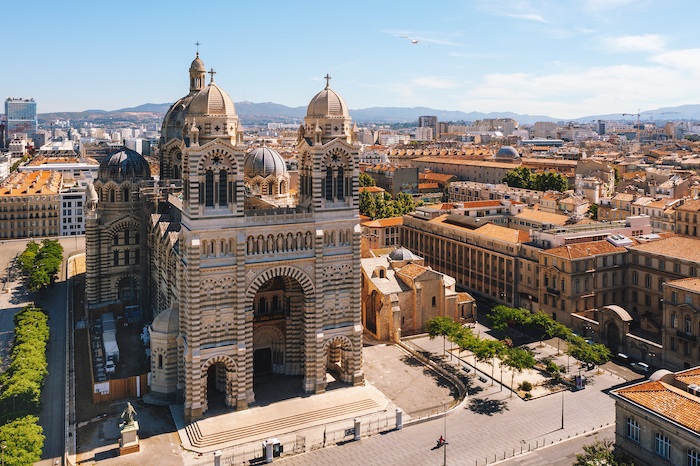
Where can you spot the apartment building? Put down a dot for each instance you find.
(29, 205)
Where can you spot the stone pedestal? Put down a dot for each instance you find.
(129, 441)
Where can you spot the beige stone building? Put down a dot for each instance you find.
(681, 329)
(400, 294)
(243, 281)
(29, 205)
(657, 421)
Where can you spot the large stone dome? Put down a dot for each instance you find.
(212, 100)
(264, 162)
(327, 103)
(124, 164)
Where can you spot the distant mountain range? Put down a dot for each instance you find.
(257, 113)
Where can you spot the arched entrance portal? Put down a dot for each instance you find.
(218, 376)
(612, 336)
(278, 336)
(337, 353)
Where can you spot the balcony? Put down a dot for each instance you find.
(685, 336)
(553, 291)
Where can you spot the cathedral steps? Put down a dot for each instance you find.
(202, 440)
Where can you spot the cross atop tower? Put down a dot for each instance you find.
(197, 44)
(212, 73)
(328, 81)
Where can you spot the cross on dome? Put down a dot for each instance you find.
(212, 73)
(197, 44)
(328, 81)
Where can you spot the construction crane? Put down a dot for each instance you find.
(638, 114)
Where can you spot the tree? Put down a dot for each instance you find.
(41, 264)
(549, 181)
(518, 359)
(442, 326)
(404, 203)
(502, 317)
(593, 211)
(368, 204)
(366, 180)
(518, 177)
(600, 453)
(25, 440)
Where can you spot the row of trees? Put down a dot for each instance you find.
(483, 350)
(383, 206)
(41, 263)
(517, 359)
(522, 177)
(20, 388)
(504, 317)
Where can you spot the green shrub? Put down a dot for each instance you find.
(526, 386)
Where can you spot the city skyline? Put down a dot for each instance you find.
(528, 57)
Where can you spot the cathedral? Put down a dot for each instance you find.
(242, 276)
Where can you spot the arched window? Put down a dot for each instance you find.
(160, 361)
(339, 185)
(263, 306)
(434, 301)
(126, 257)
(111, 195)
(223, 185)
(275, 304)
(115, 258)
(329, 184)
(125, 194)
(209, 189)
(126, 236)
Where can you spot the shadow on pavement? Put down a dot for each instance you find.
(486, 406)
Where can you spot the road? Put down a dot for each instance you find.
(54, 301)
(561, 454)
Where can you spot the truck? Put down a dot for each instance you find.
(110, 346)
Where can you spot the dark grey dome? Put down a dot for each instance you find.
(264, 162)
(402, 254)
(124, 164)
(507, 152)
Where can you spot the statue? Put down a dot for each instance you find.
(128, 415)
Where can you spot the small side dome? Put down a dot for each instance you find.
(327, 103)
(507, 152)
(212, 100)
(264, 162)
(197, 65)
(124, 164)
(402, 254)
(167, 322)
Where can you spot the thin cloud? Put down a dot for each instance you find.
(576, 93)
(635, 43)
(528, 16)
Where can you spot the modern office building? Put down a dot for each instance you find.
(21, 116)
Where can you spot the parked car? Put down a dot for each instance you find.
(641, 367)
(110, 368)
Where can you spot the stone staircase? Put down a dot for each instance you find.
(201, 440)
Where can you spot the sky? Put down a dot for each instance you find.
(560, 58)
